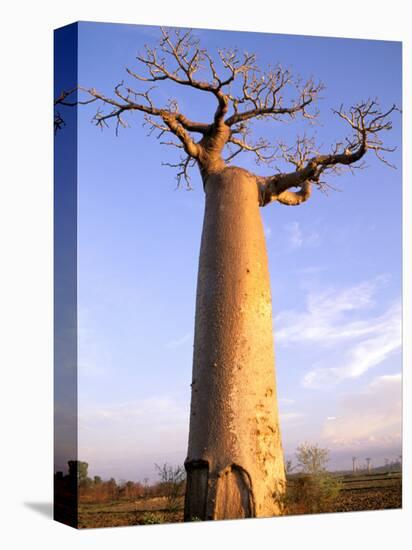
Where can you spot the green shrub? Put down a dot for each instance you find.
(314, 490)
(311, 494)
(149, 518)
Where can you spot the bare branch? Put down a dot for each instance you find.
(66, 99)
(180, 59)
(183, 170)
(367, 122)
(264, 152)
(173, 121)
(262, 95)
(294, 198)
(58, 122)
(188, 58)
(238, 86)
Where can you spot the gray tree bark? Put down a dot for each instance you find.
(235, 461)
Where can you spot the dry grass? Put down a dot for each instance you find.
(144, 511)
(356, 495)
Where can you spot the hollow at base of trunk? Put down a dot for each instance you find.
(225, 495)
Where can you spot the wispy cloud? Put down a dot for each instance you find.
(311, 270)
(268, 231)
(298, 237)
(380, 337)
(323, 318)
(368, 418)
(94, 359)
(129, 437)
(179, 342)
(346, 317)
(295, 234)
(290, 416)
(158, 408)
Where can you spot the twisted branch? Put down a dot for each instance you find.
(367, 122)
(238, 86)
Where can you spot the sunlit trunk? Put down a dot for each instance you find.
(235, 461)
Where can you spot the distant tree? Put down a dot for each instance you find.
(172, 480)
(314, 490)
(82, 470)
(289, 467)
(312, 459)
(112, 488)
(132, 489)
(97, 480)
(146, 486)
(78, 470)
(354, 464)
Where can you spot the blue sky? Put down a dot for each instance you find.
(335, 266)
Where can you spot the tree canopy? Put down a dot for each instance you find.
(244, 92)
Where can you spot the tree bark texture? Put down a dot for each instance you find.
(235, 460)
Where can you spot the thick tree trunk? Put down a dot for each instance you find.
(235, 460)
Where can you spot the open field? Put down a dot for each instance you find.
(359, 492)
(143, 511)
(370, 492)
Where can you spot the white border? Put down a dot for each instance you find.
(26, 268)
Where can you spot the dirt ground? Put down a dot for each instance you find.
(357, 495)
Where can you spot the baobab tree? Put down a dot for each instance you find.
(234, 461)
(354, 465)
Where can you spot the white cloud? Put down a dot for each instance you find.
(126, 439)
(179, 342)
(344, 317)
(371, 418)
(312, 239)
(299, 237)
(290, 416)
(324, 318)
(268, 231)
(373, 342)
(93, 356)
(295, 234)
(153, 410)
(310, 270)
